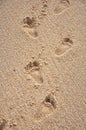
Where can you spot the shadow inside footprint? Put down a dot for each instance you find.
(49, 100)
(67, 40)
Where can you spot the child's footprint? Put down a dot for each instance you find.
(64, 47)
(33, 69)
(64, 4)
(29, 27)
(46, 108)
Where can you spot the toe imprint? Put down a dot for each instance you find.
(31, 22)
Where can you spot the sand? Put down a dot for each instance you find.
(42, 64)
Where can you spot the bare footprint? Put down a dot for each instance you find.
(29, 27)
(33, 69)
(46, 108)
(62, 6)
(2, 124)
(64, 47)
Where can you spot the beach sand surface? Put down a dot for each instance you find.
(42, 64)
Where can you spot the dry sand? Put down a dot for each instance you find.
(42, 64)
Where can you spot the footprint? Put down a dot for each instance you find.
(2, 124)
(29, 27)
(46, 108)
(62, 6)
(33, 69)
(64, 47)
